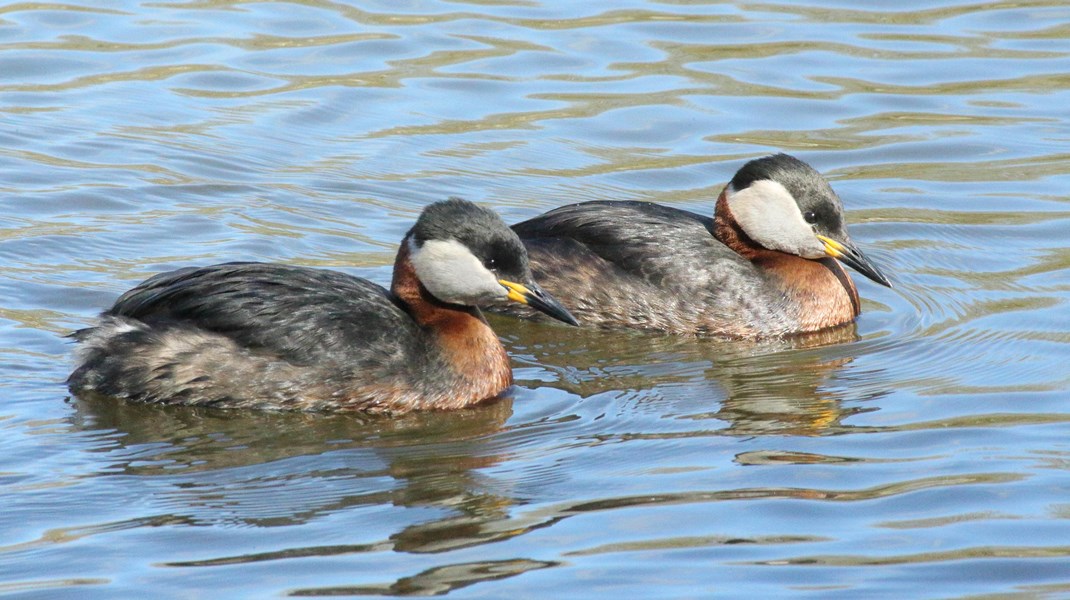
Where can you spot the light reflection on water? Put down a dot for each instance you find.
(926, 443)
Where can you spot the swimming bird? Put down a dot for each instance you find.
(764, 266)
(272, 336)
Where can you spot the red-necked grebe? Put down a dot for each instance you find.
(763, 266)
(255, 335)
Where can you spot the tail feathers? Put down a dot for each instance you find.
(102, 350)
(179, 363)
(170, 363)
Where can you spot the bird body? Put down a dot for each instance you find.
(255, 335)
(763, 266)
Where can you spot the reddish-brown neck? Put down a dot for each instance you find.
(424, 308)
(821, 289)
(729, 233)
(467, 343)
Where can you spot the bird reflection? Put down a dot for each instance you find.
(215, 467)
(780, 386)
(433, 456)
(436, 581)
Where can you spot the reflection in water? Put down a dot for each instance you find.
(214, 464)
(792, 397)
(782, 387)
(163, 440)
(438, 580)
(249, 467)
(210, 465)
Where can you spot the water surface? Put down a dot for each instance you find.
(919, 453)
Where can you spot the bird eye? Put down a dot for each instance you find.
(490, 263)
(810, 217)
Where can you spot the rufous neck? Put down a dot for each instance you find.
(814, 285)
(727, 230)
(462, 336)
(425, 308)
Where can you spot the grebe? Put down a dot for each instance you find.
(269, 336)
(763, 266)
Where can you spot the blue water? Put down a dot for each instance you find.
(921, 454)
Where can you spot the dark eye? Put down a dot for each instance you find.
(490, 264)
(810, 217)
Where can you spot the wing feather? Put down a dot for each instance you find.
(303, 315)
(659, 244)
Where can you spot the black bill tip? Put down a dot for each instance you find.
(850, 255)
(537, 298)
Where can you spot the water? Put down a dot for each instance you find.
(921, 454)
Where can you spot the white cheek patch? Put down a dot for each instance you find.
(769, 215)
(453, 274)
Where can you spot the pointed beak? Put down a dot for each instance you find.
(851, 256)
(535, 297)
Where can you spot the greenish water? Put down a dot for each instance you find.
(922, 453)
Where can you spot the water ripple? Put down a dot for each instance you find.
(151, 135)
(985, 552)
